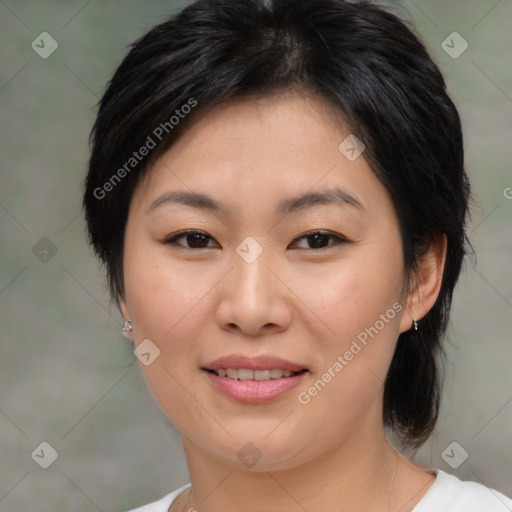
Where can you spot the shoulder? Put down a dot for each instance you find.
(163, 504)
(449, 494)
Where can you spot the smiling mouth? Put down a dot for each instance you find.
(256, 375)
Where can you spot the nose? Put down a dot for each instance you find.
(253, 299)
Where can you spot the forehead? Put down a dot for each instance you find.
(249, 152)
(293, 114)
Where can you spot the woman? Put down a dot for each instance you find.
(277, 191)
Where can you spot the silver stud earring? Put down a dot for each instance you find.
(127, 326)
(415, 325)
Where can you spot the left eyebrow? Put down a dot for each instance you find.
(331, 196)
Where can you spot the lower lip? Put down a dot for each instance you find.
(253, 391)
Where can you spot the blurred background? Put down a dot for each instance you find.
(67, 376)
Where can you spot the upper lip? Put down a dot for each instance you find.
(262, 362)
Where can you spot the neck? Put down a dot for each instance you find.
(357, 474)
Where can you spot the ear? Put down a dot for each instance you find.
(427, 283)
(124, 311)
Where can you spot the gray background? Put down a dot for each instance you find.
(68, 377)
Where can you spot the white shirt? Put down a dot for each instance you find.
(447, 494)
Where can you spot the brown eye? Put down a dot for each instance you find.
(195, 239)
(320, 239)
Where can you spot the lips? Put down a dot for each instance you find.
(253, 363)
(248, 374)
(253, 380)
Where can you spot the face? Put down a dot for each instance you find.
(304, 298)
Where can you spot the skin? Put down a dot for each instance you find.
(295, 301)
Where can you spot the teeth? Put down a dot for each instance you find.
(243, 374)
(232, 374)
(259, 375)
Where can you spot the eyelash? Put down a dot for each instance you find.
(172, 239)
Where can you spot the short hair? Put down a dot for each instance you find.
(375, 74)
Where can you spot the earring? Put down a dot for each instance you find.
(127, 326)
(415, 324)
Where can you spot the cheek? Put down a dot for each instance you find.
(164, 297)
(361, 305)
(166, 307)
(355, 293)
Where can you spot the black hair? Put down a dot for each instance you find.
(375, 74)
